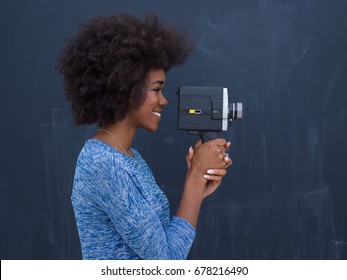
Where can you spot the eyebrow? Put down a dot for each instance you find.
(158, 82)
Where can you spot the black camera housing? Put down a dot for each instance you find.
(206, 111)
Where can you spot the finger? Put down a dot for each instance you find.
(189, 157)
(222, 149)
(228, 161)
(214, 178)
(219, 172)
(219, 141)
(227, 145)
(226, 158)
(190, 153)
(198, 144)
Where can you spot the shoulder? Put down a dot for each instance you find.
(97, 170)
(100, 164)
(95, 155)
(95, 148)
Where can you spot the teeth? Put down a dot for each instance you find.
(157, 114)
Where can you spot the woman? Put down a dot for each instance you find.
(114, 74)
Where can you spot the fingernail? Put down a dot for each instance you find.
(226, 159)
(229, 143)
(210, 171)
(207, 177)
(190, 148)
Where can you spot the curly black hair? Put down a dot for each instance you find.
(106, 64)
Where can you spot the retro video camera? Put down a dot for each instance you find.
(206, 111)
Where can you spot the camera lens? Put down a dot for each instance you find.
(235, 111)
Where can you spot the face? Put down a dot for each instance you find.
(149, 114)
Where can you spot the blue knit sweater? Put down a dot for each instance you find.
(120, 211)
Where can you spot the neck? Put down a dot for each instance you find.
(123, 133)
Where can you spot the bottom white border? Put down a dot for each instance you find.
(180, 270)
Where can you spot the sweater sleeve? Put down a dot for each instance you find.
(139, 226)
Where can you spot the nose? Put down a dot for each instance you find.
(163, 101)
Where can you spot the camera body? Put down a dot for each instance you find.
(206, 111)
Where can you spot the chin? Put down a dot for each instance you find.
(151, 129)
(151, 126)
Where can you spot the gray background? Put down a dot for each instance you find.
(285, 196)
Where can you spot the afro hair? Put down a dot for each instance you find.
(106, 64)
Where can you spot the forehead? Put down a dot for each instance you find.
(156, 75)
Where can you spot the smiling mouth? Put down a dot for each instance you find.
(157, 114)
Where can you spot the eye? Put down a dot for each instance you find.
(157, 90)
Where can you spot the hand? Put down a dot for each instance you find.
(213, 176)
(190, 155)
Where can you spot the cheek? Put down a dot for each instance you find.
(150, 101)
